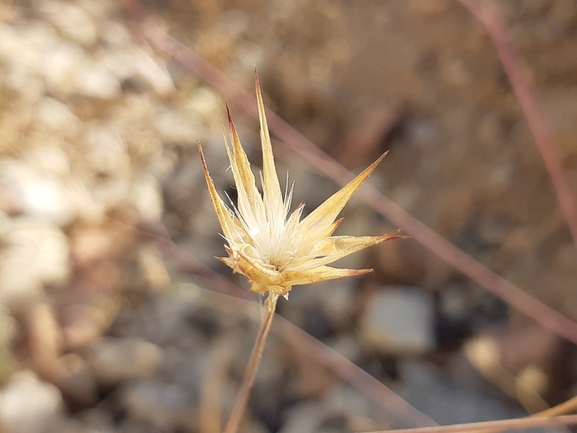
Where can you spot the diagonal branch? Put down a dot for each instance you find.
(492, 426)
(519, 76)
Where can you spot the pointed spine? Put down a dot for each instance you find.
(271, 186)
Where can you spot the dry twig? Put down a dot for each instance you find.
(492, 426)
(519, 76)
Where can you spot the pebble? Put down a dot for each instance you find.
(48, 160)
(72, 22)
(98, 82)
(118, 62)
(97, 421)
(35, 254)
(28, 405)
(399, 320)
(68, 70)
(23, 81)
(304, 418)
(449, 400)
(174, 125)
(314, 417)
(147, 198)
(114, 360)
(39, 194)
(166, 406)
(363, 413)
(105, 153)
(62, 67)
(56, 116)
(22, 45)
(114, 33)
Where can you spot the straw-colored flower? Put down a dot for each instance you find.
(275, 249)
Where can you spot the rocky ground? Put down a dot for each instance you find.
(103, 328)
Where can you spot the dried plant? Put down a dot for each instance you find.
(273, 247)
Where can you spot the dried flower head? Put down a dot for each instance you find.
(272, 247)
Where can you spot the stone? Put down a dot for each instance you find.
(105, 152)
(362, 412)
(39, 194)
(114, 360)
(34, 254)
(62, 67)
(73, 22)
(147, 198)
(97, 420)
(315, 417)
(28, 405)
(22, 44)
(56, 115)
(98, 82)
(449, 400)
(399, 320)
(118, 62)
(68, 70)
(304, 418)
(49, 159)
(175, 126)
(115, 33)
(166, 406)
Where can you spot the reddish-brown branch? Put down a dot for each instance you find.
(491, 426)
(519, 76)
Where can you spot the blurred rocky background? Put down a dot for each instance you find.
(103, 328)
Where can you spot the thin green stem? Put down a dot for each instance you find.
(252, 368)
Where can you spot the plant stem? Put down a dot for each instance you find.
(252, 368)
